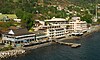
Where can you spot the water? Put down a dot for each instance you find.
(90, 50)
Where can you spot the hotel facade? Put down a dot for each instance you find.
(77, 26)
(17, 36)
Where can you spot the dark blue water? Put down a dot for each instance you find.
(90, 50)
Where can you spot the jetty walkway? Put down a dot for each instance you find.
(73, 45)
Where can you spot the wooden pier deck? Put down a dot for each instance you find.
(73, 45)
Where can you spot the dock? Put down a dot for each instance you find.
(72, 45)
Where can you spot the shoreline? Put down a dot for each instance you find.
(88, 33)
(11, 53)
(37, 46)
(92, 30)
(26, 49)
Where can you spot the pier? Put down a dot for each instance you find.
(73, 45)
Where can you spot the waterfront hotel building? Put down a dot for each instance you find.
(54, 32)
(54, 28)
(59, 27)
(76, 26)
(17, 36)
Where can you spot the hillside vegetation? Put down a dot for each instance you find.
(40, 7)
(29, 10)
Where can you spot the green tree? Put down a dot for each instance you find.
(27, 21)
(19, 13)
(87, 18)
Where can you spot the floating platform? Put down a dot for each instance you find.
(75, 45)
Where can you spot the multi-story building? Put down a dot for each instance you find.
(56, 27)
(41, 35)
(77, 26)
(59, 27)
(18, 36)
(38, 25)
(55, 32)
(63, 23)
(53, 28)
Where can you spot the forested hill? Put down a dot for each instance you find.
(30, 10)
(9, 6)
(41, 9)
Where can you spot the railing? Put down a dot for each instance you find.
(41, 36)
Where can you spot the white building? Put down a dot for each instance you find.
(56, 27)
(38, 25)
(53, 28)
(41, 34)
(63, 23)
(77, 26)
(17, 36)
(55, 32)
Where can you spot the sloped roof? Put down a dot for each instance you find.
(13, 27)
(21, 31)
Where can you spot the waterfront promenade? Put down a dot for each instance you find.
(37, 46)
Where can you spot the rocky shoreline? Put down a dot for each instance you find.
(92, 30)
(11, 53)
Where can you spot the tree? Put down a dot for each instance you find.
(27, 21)
(19, 13)
(87, 18)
